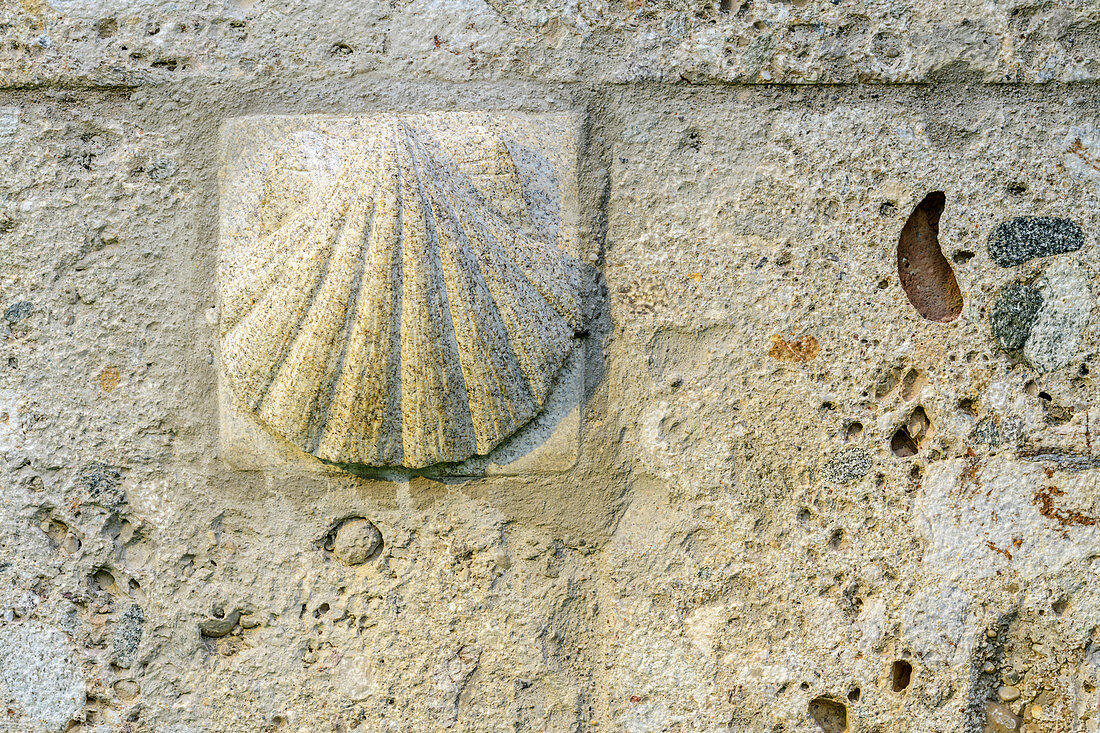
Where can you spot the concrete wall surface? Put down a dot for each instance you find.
(731, 366)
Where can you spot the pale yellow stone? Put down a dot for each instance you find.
(388, 295)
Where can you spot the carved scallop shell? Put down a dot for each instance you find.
(398, 306)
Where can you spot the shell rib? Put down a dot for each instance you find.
(401, 317)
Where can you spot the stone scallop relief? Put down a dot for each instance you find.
(395, 302)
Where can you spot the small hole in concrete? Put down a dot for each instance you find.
(831, 716)
(912, 384)
(918, 425)
(103, 580)
(854, 430)
(55, 530)
(901, 675)
(925, 274)
(1031, 389)
(886, 382)
(962, 257)
(854, 694)
(725, 6)
(1016, 188)
(902, 444)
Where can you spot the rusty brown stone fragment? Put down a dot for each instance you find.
(802, 349)
(926, 275)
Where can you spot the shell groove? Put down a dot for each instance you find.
(397, 307)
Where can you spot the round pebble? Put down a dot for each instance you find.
(357, 540)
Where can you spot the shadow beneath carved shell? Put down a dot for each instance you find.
(550, 443)
(926, 275)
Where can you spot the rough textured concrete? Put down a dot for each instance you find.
(787, 500)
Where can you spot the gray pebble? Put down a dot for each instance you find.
(16, 312)
(1013, 315)
(850, 464)
(996, 431)
(1026, 237)
(101, 482)
(162, 169)
(128, 633)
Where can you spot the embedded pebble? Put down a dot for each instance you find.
(39, 677)
(16, 312)
(926, 275)
(127, 637)
(996, 431)
(1067, 304)
(1008, 693)
(102, 484)
(1014, 314)
(1024, 238)
(850, 464)
(9, 121)
(1000, 719)
(357, 540)
(1041, 322)
(216, 628)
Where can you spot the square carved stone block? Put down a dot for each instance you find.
(400, 292)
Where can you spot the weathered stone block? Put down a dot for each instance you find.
(400, 291)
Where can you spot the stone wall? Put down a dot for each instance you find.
(820, 456)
